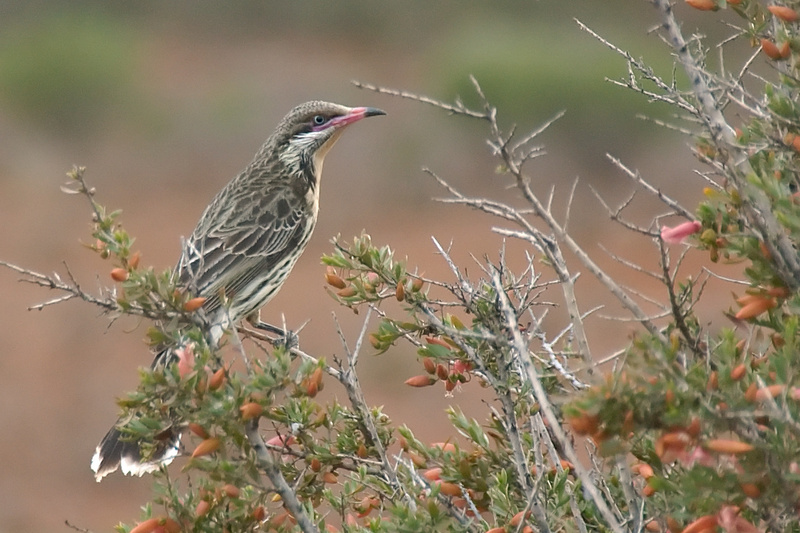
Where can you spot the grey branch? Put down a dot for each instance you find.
(273, 472)
(523, 356)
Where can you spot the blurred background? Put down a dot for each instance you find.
(165, 102)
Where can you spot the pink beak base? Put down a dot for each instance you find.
(355, 114)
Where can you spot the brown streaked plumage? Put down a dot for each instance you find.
(245, 244)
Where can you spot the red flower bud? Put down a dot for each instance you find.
(786, 14)
(420, 381)
(703, 5)
(206, 447)
(194, 304)
(251, 410)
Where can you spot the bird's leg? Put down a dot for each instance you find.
(284, 336)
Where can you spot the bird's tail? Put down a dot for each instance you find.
(118, 451)
(114, 451)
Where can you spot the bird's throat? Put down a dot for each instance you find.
(322, 151)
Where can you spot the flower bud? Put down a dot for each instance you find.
(433, 474)
(362, 451)
(133, 261)
(311, 389)
(194, 304)
(346, 292)
(202, 508)
(198, 430)
(727, 446)
(420, 381)
(416, 285)
(703, 5)
(770, 49)
(147, 526)
(232, 491)
(259, 513)
(751, 392)
(217, 379)
(738, 372)
(206, 447)
(334, 281)
(713, 381)
(786, 14)
(769, 392)
(702, 524)
(448, 489)
(251, 410)
(750, 490)
(517, 518)
(170, 525)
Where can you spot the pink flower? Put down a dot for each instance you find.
(728, 519)
(461, 367)
(697, 456)
(185, 360)
(677, 234)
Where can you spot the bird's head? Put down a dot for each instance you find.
(305, 135)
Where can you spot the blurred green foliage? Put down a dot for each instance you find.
(532, 72)
(88, 64)
(68, 70)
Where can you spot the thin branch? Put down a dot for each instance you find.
(349, 379)
(273, 472)
(543, 399)
(458, 108)
(674, 205)
(76, 528)
(758, 210)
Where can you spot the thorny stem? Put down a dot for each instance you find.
(523, 184)
(540, 431)
(73, 290)
(760, 214)
(658, 193)
(518, 345)
(273, 472)
(676, 310)
(458, 108)
(349, 380)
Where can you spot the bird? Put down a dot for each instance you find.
(244, 246)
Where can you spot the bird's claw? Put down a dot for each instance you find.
(288, 339)
(283, 337)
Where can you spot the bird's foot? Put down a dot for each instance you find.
(283, 337)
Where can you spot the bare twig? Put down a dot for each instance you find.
(673, 204)
(732, 155)
(270, 467)
(349, 379)
(458, 108)
(543, 399)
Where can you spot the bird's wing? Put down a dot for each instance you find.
(238, 238)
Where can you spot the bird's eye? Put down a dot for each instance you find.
(319, 120)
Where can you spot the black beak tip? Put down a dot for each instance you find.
(373, 112)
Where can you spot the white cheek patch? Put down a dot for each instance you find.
(300, 144)
(293, 156)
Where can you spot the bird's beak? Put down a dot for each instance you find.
(354, 115)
